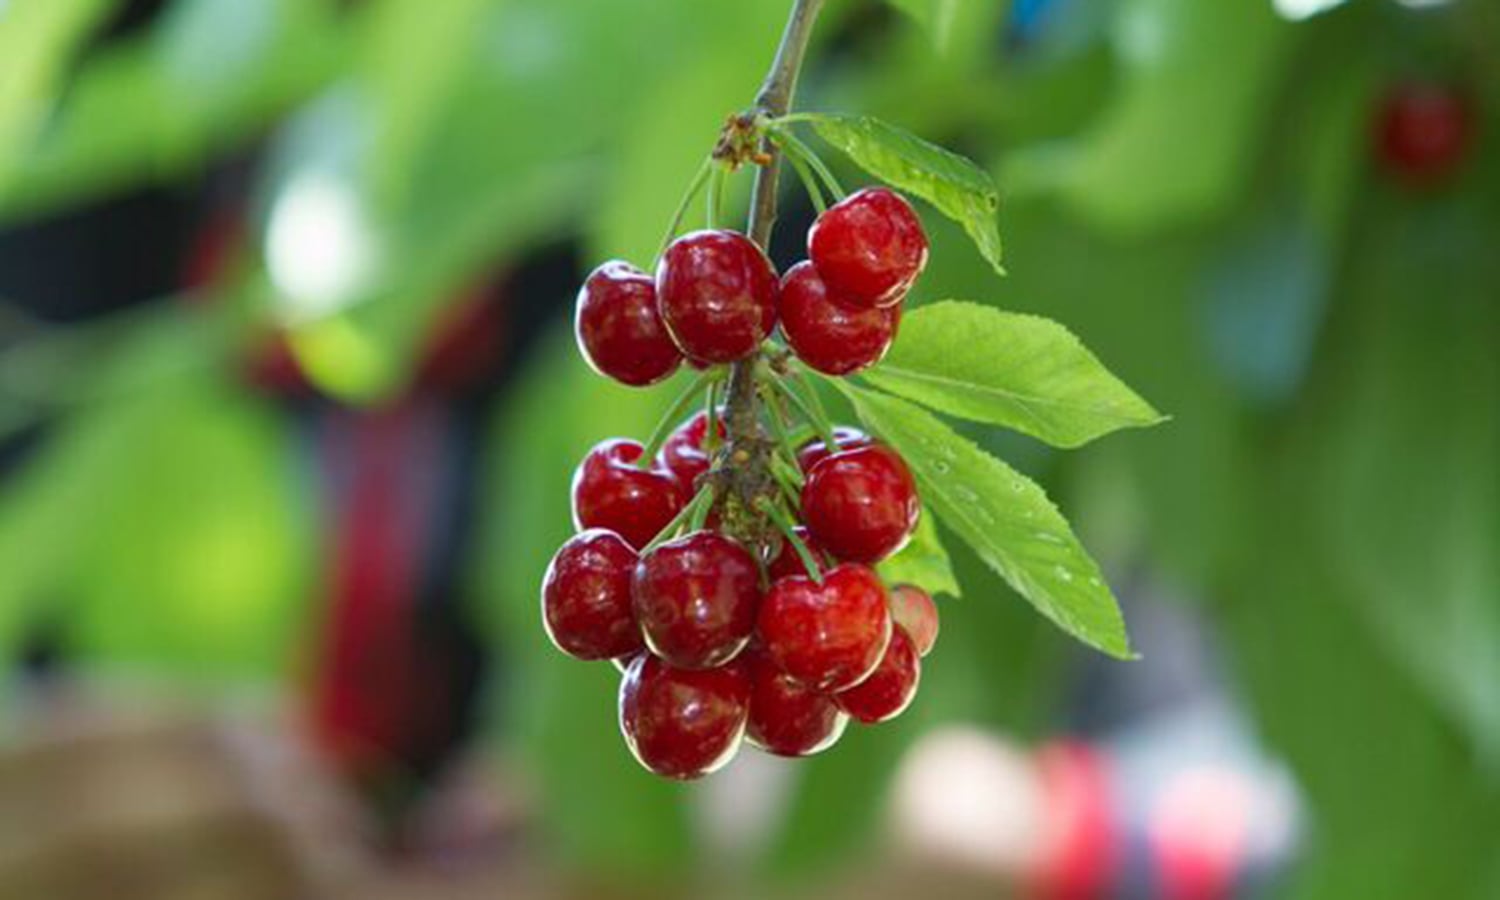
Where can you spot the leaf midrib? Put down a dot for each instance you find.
(1023, 400)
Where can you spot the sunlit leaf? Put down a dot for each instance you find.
(958, 188)
(1024, 372)
(1005, 517)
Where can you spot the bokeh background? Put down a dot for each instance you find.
(289, 404)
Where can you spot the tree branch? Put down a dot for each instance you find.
(748, 449)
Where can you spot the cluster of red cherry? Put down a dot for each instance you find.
(783, 640)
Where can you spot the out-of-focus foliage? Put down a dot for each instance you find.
(1185, 184)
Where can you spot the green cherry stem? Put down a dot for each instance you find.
(699, 177)
(674, 414)
(789, 532)
(796, 148)
(689, 513)
(811, 409)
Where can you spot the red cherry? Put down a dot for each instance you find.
(696, 598)
(610, 492)
(917, 615)
(717, 294)
(619, 328)
(845, 438)
(890, 688)
(683, 452)
(861, 504)
(834, 338)
(788, 562)
(683, 723)
(586, 605)
(827, 637)
(868, 247)
(1423, 131)
(786, 718)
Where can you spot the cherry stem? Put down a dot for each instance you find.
(798, 151)
(703, 500)
(809, 182)
(694, 186)
(671, 418)
(742, 419)
(812, 410)
(789, 533)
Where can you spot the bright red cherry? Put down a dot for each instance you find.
(844, 437)
(890, 688)
(717, 293)
(683, 452)
(861, 504)
(868, 248)
(683, 723)
(827, 637)
(619, 327)
(1423, 131)
(786, 718)
(917, 615)
(832, 337)
(609, 491)
(788, 561)
(696, 599)
(586, 604)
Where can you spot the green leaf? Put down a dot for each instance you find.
(959, 189)
(923, 562)
(1004, 516)
(1021, 371)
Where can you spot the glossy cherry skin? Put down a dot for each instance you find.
(683, 723)
(890, 688)
(845, 438)
(682, 453)
(788, 561)
(861, 505)
(827, 637)
(786, 718)
(1423, 131)
(917, 615)
(619, 326)
(609, 491)
(586, 602)
(869, 248)
(717, 294)
(696, 599)
(832, 337)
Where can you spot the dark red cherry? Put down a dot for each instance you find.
(890, 688)
(869, 247)
(917, 615)
(832, 337)
(696, 599)
(586, 604)
(683, 723)
(619, 327)
(788, 561)
(786, 718)
(717, 294)
(1423, 131)
(861, 504)
(831, 636)
(845, 438)
(683, 452)
(609, 491)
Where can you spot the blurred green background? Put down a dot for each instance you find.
(1200, 190)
